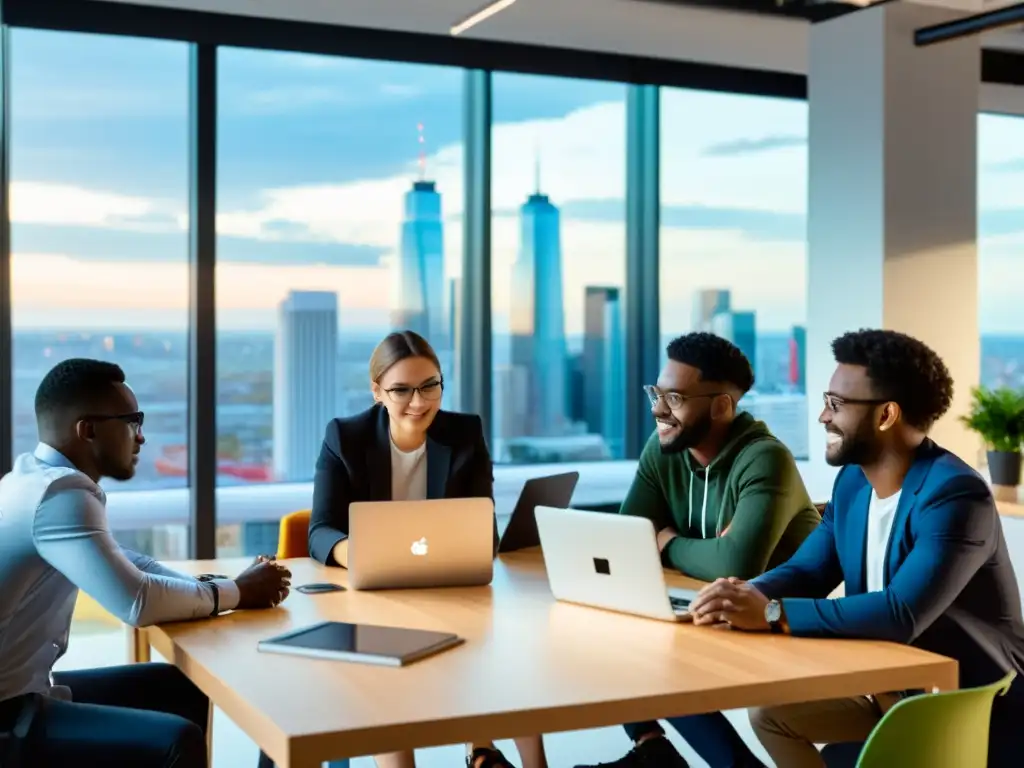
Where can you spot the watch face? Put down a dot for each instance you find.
(773, 611)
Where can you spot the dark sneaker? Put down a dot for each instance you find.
(656, 752)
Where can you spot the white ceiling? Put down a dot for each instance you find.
(654, 29)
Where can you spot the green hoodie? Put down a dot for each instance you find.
(748, 512)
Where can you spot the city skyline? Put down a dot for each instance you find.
(343, 179)
(542, 398)
(156, 365)
(733, 187)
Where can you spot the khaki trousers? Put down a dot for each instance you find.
(789, 732)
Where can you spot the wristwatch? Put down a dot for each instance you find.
(216, 597)
(773, 615)
(207, 578)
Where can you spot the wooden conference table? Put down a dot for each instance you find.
(529, 665)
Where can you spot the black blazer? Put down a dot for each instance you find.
(355, 465)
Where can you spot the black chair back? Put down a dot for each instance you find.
(12, 738)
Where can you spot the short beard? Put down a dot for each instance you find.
(689, 437)
(858, 449)
(120, 473)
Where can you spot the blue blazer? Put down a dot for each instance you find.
(949, 586)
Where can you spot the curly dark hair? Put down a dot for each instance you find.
(717, 359)
(76, 383)
(901, 369)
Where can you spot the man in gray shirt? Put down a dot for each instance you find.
(55, 540)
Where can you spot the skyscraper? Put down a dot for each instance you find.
(603, 361)
(305, 380)
(510, 406)
(741, 329)
(613, 410)
(707, 303)
(577, 390)
(420, 304)
(538, 318)
(798, 358)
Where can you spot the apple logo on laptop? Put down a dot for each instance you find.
(419, 548)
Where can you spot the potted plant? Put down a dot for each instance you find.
(998, 416)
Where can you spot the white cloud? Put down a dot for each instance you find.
(67, 205)
(582, 157)
(692, 121)
(365, 212)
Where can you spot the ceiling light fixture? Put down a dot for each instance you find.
(496, 6)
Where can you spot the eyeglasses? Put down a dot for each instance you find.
(431, 391)
(133, 420)
(834, 402)
(674, 400)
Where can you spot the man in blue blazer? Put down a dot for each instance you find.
(913, 532)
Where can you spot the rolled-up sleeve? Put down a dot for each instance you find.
(71, 533)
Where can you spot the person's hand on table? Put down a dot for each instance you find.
(264, 584)
(731, 601)
(340, 553)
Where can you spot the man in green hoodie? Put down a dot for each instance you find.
(726, 499)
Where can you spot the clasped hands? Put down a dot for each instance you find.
(731, 601)
(264, 584)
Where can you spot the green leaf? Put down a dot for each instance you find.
(998, 416)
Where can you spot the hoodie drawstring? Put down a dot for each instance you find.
(703, 506)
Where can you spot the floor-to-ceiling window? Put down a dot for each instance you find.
(1001, 249)
(558, 245)
(99, 142)
(733, 239)
(339, 219)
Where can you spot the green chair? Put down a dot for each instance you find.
(939, 730)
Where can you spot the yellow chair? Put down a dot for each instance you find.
(293, 535)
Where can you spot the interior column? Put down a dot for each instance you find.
(892, 214)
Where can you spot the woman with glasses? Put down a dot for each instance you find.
(403, 448)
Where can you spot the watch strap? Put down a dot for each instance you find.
(216, 597)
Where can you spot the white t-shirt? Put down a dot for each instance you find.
(409, 473)
(881, 513)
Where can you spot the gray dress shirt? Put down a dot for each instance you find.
(54, 540)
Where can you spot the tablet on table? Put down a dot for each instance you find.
(363, 643)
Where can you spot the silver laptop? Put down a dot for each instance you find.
(409, 544)
(608, 561)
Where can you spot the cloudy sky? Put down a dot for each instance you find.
(315, 155)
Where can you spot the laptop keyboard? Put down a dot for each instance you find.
(679, 604)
